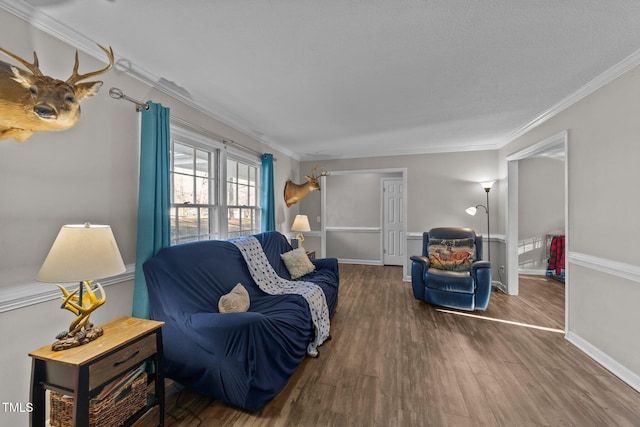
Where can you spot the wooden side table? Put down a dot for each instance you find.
(81, 372)
(311, 254)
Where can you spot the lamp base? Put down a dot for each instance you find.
(67, 340)
(81, 331)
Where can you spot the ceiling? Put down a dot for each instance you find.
(357, 78)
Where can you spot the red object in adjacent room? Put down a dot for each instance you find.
(556, 257)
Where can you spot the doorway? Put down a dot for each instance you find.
(352, 226)
(556, 145)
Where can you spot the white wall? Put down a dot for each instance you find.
(603, 262)
(88, 173)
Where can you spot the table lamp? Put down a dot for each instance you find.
(300, 223)
(81, 253)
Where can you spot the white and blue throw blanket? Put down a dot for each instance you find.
(269, 281)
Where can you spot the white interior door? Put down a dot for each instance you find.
(392, 222)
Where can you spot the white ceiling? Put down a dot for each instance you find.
(351, 78)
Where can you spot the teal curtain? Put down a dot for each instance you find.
(153, 198)
(267, 201)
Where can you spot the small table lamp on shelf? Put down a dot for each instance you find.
(81, 253)
(300, 224)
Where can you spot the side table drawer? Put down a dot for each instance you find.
(126, 358)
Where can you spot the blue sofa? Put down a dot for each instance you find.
(243, 359)
(468, 288)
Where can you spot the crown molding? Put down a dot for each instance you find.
(64, 33)
(401, 152)
(627, 64)
(558, 140)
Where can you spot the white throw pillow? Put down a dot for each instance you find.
(297, 263)
(235, 301)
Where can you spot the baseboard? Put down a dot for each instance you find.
(532, 272)
(359, 261)
(629, 377)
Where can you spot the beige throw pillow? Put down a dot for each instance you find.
(235, 301)
(297, 263)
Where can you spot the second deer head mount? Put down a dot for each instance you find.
(293, 193)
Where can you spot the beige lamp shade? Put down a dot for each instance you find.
(301, 223)
(82, 252)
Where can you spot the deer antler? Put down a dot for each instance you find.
(34, 68)
(322, 173)
(75, 77)
(89, 298)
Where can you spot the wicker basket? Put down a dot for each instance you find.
(108, 412)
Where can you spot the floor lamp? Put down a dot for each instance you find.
(474, 209)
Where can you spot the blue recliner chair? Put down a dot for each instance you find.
(451, 272)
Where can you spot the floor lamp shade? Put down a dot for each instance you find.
(82, 252)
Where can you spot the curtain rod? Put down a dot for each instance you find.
(224, 140)
(118, 94)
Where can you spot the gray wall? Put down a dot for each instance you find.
(439, 189)
(439, 186)
(353, 204)
(603, 260)
(541, 191)
(88, 173)
(353, 200)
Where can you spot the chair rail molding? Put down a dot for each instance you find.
(354, 229)
(614, 268)
(24, 295)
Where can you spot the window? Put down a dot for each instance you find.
(194, 204)
(243, 210)
(199, 201)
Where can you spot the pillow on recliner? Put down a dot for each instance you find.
(451, 254)
(235, 301)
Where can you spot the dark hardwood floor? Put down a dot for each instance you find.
(395, 361)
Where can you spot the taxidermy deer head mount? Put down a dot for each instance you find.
(293, 193)
(31, 101)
